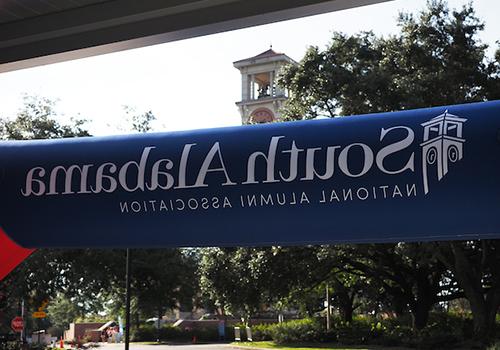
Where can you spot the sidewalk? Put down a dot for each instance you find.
(138, 346)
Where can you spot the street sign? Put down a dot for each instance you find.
(17, 324)
(39, 314)
(418, 175)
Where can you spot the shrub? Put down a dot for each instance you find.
(170, 333)
(143, 333)
(306, 330)
(10, 345)
(313, 330)
(438, 336)
(444, 331)
(495, 346)
(201, 334)
(395, 335)
(359, 331)
(262, 332)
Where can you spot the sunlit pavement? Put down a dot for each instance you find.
(171, 347)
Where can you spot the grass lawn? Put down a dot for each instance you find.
(310, 346)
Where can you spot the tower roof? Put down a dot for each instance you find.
(445, 116)
(264, 57)
(267, 53)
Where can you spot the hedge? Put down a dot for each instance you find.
(444, 331)
(170, 333)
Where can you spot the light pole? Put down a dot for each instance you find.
(127, 301)
(327, 308)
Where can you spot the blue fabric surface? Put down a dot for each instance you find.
(428, 174)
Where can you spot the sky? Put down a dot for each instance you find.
(192, 84)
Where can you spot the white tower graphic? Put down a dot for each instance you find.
(442, 143)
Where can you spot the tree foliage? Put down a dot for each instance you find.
(474, 265)
(62, 311)
(164, 279)
(89, 279)
(47, 271)
(139, 122)
(38, 119)
(234, 279)
(436, 59)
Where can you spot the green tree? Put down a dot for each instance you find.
(233, 279)
(92, 280)
(475, 266)
(62, 311)
(409, 272)
(140, 122)
(163, 279)
(246, 281)
(437, 59)
(37, 119)
(347, 292)
(322, 83)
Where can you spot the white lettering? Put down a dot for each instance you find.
(30, 181)
(329, 166)
(367, 159)
(141, 166)
(396, 147)
(205, 168)
(270, 160)
(100, 177)
(294, 160)
(68, 179)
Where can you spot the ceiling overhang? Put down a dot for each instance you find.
(110, 26)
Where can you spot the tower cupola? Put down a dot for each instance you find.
(261, 97)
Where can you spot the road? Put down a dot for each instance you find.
(169, 347)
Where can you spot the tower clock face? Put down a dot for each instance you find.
(262, 115)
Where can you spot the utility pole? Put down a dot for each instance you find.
(327, 308)
(24, 326)
(127, 302)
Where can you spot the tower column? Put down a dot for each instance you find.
(271, 83)
(244, 87)
(252, 87)
(280, 92)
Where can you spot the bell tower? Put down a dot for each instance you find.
(261, 97)
(443, 144)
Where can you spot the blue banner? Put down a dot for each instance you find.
(428, 174)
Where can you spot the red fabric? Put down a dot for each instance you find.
(11, 254)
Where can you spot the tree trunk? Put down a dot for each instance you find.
(398, 301)
(159, 325)
(484, 311)
(425, 299)
(420, 314)
(345, 301)
(399, 307)
(347, 311)
(484, 306)
(480, 320)
(137, 320)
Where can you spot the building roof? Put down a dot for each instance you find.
(106, 325)
(34, 32)
(263, 57)
(267, 53)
